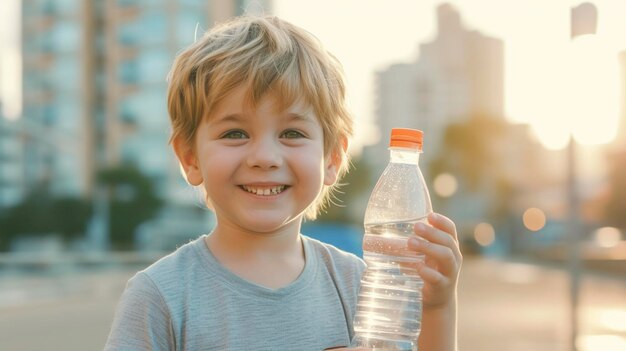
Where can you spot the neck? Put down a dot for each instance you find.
(257, 257)
(242, 243)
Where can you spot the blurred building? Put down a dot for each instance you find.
(455, 90)
(94, 85)
(620, 139)
(11, 171)
(459, 74)
(457, 77)
(55, 149)
(615, 194)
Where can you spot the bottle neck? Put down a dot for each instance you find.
(404, 155)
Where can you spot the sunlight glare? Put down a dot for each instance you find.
(10, 60)
(551, 134)
(593, 90)
(547, 99)
(578, 94)
(614, 320)
(601, 342)
(10, 87)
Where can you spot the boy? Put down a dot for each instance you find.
(259, 120)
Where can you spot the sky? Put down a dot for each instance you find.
(369, 35)
(10, 88)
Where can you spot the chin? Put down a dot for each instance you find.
(266, 224)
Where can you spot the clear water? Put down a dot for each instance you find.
(389, 308)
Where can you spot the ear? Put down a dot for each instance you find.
(188, 161)
(333, 162)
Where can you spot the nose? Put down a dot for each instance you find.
(265, 153)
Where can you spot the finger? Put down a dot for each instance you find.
(431, 263)
(435, 235)
(432, 276)
(443, 223)
(444, 256)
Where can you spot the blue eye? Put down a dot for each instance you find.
(234, 134)
(292, 134)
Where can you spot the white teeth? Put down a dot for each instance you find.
(264, 191)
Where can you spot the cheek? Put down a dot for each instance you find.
(310, 165)
(217, 164)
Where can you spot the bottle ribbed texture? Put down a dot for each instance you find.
(389, 308)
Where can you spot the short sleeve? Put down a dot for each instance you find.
(142, 320)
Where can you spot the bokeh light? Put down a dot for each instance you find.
(534, 219)
(445, 185)
(484, 234)
(607, 236)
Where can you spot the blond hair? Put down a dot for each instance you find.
(264, 54)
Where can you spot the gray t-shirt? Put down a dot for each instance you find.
(189, 301)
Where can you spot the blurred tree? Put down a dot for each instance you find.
(353, 185)
(71, 216)
(31, 217)
(40, 214)
(132, 200)
(470, 147)
(475, 151)
(616, 206)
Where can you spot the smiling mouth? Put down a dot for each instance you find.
(264, 191)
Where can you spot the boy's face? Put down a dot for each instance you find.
(261, 168)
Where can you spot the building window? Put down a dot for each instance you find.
(128, 72)
(153, 65)
(66, 37)
(154, 24)
(128, 34)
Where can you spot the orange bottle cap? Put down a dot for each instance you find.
(407, 138)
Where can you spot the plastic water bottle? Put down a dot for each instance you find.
(389, 308)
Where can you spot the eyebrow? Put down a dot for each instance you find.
(291, 116)
(299, 117)
(233, 117)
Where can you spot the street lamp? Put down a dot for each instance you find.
(583, 22)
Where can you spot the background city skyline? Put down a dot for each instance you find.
(93, 84)
(535, 34)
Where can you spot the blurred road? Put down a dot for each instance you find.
(504, 306)
(521, 307)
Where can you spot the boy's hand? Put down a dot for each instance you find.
(442, 263)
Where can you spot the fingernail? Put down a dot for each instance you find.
(413, 241)
(420, 227)
(434, 216)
